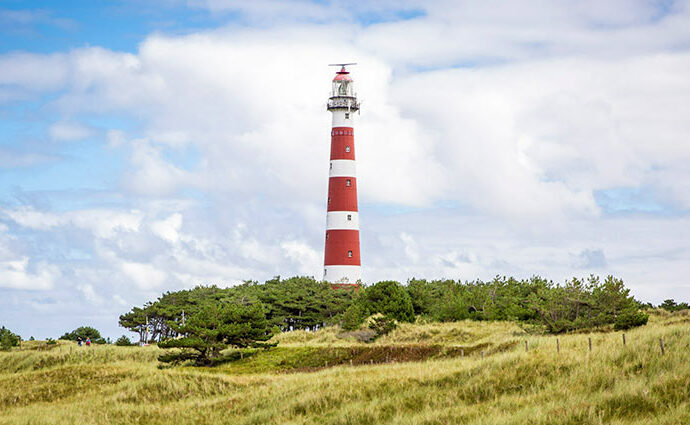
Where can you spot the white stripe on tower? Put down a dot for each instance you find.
(343, 168)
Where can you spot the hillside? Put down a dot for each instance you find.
(465, 372)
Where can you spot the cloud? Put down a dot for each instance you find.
(590, 259)
(65, 131)
(12, 158)
(145, 276)
(20, 274)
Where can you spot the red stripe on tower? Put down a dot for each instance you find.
(342, 263)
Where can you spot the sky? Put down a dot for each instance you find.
(153, 146)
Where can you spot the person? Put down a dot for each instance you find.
(88, 342)
(79, 341)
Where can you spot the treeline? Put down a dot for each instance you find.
(576, 304)
(304, 303)
(295, 303)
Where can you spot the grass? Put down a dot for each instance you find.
(612, 384)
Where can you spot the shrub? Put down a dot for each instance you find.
(382, 325)
(630, 320)
(123, 341)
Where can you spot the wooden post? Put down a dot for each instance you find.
(241, 355)
(558, 346)
(661, 344)
(350, 362)
(327, 363)
(482, 354)
(526, 346)
(590, 344)
(462, 352)
(371, 362)
(623, 339)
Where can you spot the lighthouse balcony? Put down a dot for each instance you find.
(343, 102)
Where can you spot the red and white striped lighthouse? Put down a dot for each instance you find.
(342, 262)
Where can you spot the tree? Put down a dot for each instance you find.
(8, 339)
(214, 327)
(671, 305)
(390, 299)
(123, 341)
(84, 332)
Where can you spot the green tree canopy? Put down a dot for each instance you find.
(8, 339)
(84, 332)
(214, 327)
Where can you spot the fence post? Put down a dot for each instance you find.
(482, 354)
(526, 346)
(661, 344)
(623, 339)
(462, 352)
(558, 346)
(590, 344)
(350, 362)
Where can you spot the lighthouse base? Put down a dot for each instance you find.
(342, 274)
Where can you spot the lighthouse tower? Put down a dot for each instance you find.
(342, 262)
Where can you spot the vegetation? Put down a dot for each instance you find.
(614, 383)
(8, 339)
(84, 332)
(303, 303)
(123, 341)
(213, 328)
(671, 305)
(295, 303)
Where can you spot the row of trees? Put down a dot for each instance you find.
(205, 320)
(304, 303)
(577, 304)
(295, 303)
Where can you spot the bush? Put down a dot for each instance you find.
(630, 320)
(382, 325)
(123, 341)
(8, 339)
(390, 299)
(84, 332)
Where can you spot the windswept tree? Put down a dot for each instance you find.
(215, 327)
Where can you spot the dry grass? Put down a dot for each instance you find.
(614, 384)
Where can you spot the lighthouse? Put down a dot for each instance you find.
(342, 263)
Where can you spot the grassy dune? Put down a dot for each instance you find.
(632, 384)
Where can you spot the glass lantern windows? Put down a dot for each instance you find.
(342, 88)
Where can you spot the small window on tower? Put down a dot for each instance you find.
(329, 200)
(326, 235)
(347, 115)
(331, 165)
(348, 182)
(349, 253)
(347, 149)
(349, 217)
